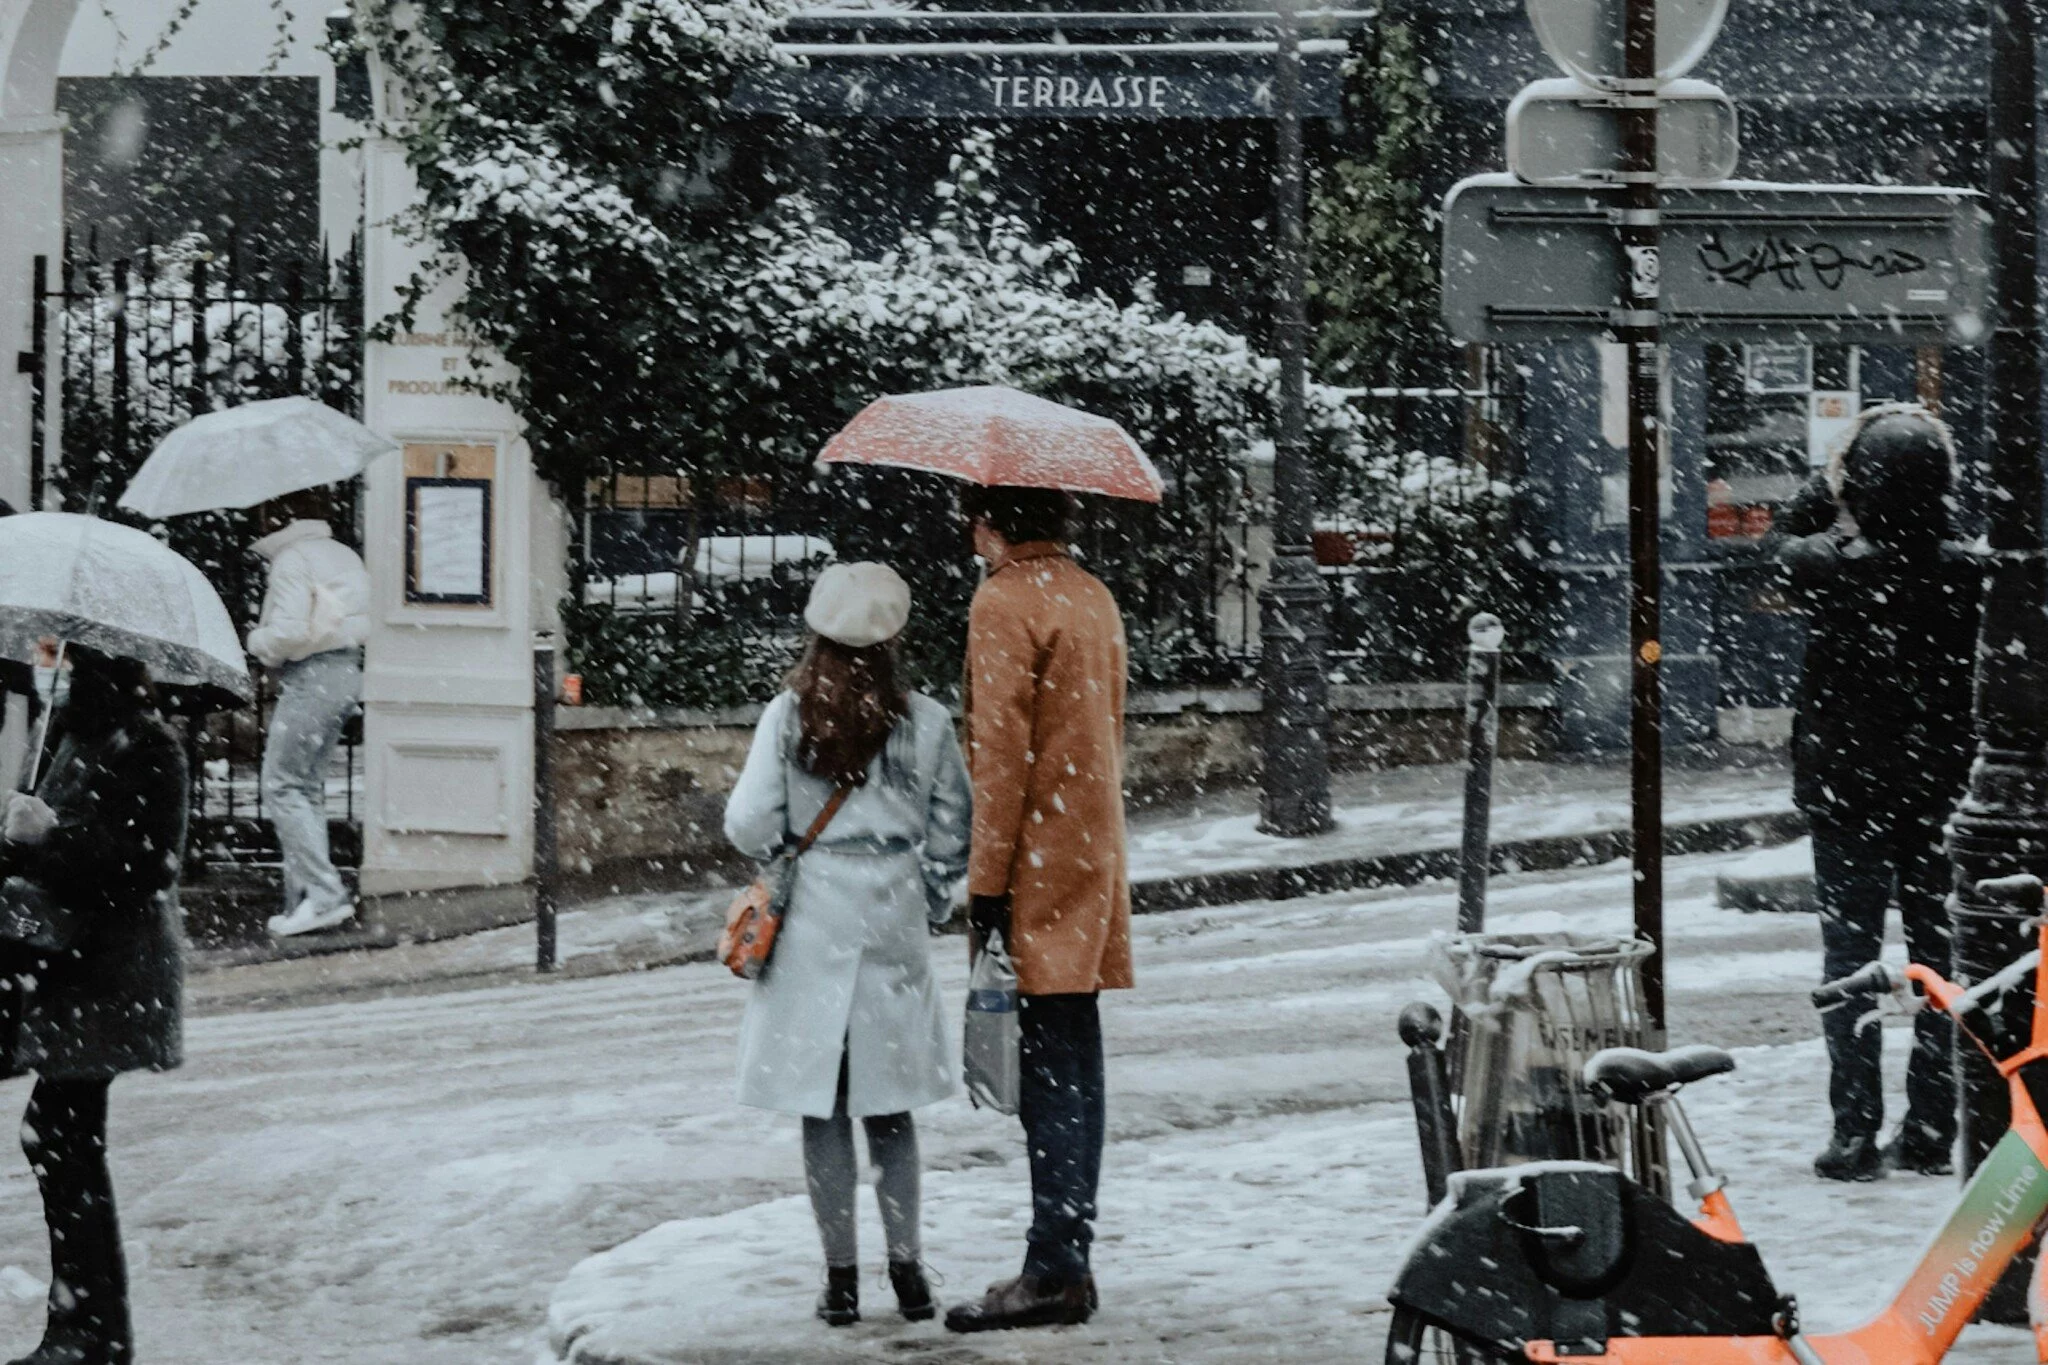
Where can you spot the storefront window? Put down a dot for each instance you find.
(1773, 410)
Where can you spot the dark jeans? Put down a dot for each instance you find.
(64, 1136)
(1061, 1102)
(1857, 870)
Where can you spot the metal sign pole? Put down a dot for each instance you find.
(1639, 328)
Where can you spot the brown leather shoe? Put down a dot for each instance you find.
(1026, 1301)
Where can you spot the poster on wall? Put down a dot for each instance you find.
(448, 541)
(449, 497)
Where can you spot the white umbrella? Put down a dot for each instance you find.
(241, 456)
(114, 589)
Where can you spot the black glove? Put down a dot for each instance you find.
(1811, 561)
(987, 915)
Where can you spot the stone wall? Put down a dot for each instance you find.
(643, 792)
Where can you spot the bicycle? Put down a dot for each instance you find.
(1563, 1262)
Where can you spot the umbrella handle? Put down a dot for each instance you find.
(35, 757)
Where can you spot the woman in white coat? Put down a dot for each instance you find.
(845, 1022)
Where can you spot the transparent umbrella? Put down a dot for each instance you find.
(83, 581)
(244, 455)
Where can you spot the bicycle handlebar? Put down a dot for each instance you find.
(1865, 983)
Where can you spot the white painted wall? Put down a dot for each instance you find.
(31, 225)
(231, 38)
(448, 690)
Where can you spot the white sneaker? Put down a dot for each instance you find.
(310, 919)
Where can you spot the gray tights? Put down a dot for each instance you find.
(833, 1177)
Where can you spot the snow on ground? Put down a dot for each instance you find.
(411, 1179)
(1273, 1232)
(1786, 860)
(1264, 1240)
(1421, 807)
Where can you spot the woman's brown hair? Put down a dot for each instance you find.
(848, 702)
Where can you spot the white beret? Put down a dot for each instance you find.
(858, 605)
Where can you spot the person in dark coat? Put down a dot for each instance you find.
(1881, 752)
(99, 844)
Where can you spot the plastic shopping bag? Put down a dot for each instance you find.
(989, 1050)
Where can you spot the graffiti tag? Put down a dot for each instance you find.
(1799, 266)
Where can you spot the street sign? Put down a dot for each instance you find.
(1584, 36)
(1561, 132)
(1744, 260)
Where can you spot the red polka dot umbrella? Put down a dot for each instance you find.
(998, 436)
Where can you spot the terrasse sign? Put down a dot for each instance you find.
(990, 81)
(1070, 93)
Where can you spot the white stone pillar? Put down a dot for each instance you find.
(448, 693)
(32, 36)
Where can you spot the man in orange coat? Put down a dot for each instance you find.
(1045, 709)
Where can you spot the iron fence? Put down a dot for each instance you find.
(687, 588)
(127, 349)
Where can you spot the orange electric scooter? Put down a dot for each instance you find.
(1574, 1262)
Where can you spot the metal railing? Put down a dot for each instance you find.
(687, 588)
(126, 350)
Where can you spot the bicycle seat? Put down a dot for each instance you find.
(1629, 1075)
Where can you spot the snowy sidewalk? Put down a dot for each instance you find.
(1272, 1239)
(426, 1178)
(1394, 827)
(1262, 1178)
(1399, 826)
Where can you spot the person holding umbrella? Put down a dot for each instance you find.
(91, 954)
(1046, 661)
(282, 454)
(1046, 666)
(102, 838)
(315, 620)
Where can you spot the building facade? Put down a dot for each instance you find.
(1142, 136)
(1174, 187)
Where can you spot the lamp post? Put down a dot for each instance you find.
(2001, 827)
(1293, 608)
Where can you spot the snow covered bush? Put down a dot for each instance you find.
(670, 304)
(1440, 550)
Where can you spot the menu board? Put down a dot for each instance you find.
(448, 515)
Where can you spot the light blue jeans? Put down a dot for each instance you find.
(314, 699)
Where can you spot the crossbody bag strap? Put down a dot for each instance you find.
(831, 809)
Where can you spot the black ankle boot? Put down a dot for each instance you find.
(1850, 1158)
(839, 1305)
(913, 1291)
(1920, 1150)
(74, 1348)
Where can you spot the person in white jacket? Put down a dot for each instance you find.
(316, 615)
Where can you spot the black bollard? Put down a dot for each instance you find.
(1482, 732)
(545, 863)
(1429, 1086)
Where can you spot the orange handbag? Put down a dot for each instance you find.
(755, 915)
